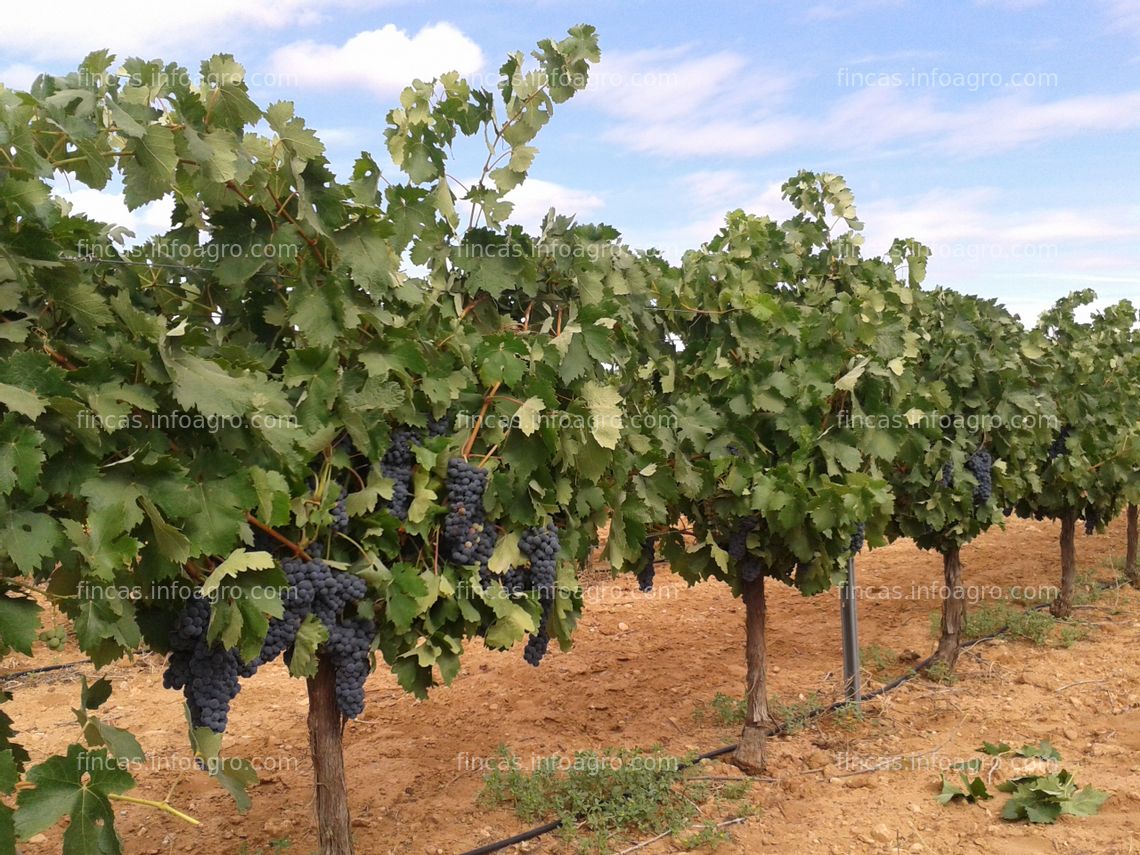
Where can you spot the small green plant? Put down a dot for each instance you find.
(736, 790)
(848, 716)
(1087, 589)
(1070, 633)
(971, 790)
(1032, 625)
(797, 715)
(729, 710)
(1044, 798)
(1035, 798)
(708, 835)
(726, 709)
(988, 620)
(597, 795)
(878, 659)
(940, 672)
(276, 847)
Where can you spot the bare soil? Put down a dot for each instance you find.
(640, 668)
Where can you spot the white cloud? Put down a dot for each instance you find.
(894, 57)
(534, 197)
(1123, 15)
(140, 27)
(671, 102)
(831, 11)
(383, 60)
(1010, 5)
(655, 85)
(1027, 258)
(108, 207)
(19, 77)
(723, 117)
(706, 196)
(972, 220)
(345, 137)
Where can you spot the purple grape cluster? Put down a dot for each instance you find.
(540, 546)
(1058, 447)
(340, 512)
(537, 645)
(514, 581)
(297, 600)
(646, 573)
(397, 464)
(947, 475)
(738, 540)
(858, 538)
(751, 568)
(207, 674)
(1092, 519)
(980, 465)
(348, 646)
(468, 537)
(439, 427)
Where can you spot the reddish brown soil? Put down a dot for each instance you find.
(640, 667)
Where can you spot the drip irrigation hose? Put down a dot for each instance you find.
(540, 830)
(15, 675)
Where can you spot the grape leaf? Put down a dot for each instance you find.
(77, 786)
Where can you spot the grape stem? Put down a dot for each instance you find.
(467, 446)
(165, 807)
(280, 538)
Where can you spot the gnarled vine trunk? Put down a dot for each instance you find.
(1130, 557)
(953, 610)
(326, 729)
(1063, 605)
(758, 724)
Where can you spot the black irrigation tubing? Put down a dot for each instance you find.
(15, 675)
(540, 830)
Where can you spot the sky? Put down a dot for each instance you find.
(1003, 134)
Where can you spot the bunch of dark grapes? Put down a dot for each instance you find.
(947, 475)
(1092, 519)
(646, 574)
(514, 582)
(334, 590)
(439, 427)
(485, 576)
(397, 464)
(536, 646)
(340, 511)
(858, 538)
(1058, 446)
(348, 646)
(540, 546)
(980, 464)
(468, 537)
(297, 602)
(751, 568)
(207, 674)
(738, 540)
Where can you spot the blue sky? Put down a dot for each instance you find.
(1005, 134)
